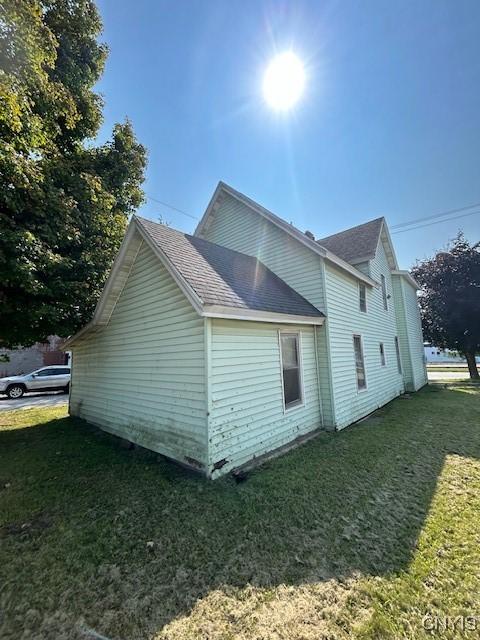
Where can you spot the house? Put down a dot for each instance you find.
(438, 355)
(14, 362)
(222, 347)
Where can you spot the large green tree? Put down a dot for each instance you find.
(64, 202)
(450, 299)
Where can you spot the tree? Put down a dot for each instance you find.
(450, 299)
(64, 203)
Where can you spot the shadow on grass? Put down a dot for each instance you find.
(127, 543)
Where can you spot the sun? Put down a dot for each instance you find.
(284, 81)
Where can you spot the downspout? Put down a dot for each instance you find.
(320, 404)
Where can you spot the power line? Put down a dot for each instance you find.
(170, 206)
(435, 215)
(429, 224)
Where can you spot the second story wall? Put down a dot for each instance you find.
(236, 226)
(377, 325)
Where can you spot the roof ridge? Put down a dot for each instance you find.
(362, 224)
(205, 241)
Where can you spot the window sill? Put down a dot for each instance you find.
(295, 405)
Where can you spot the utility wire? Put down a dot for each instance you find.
(165, 204)
(429, 224)
(435, 215)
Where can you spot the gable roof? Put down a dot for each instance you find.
(226, 278)
(218, 282)
(223, 188)
(357, 244)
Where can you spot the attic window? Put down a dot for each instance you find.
(362, 290)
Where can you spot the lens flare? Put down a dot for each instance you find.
(284, 81)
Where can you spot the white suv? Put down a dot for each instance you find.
(54, 378)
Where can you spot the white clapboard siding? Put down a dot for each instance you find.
(236, 226)
(410, 334)
(247, 417)
(345, 319)
(142, 376)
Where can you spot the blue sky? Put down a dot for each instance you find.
(389, 123)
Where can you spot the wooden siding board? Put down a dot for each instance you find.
(345, 319)
(236, 226)
(410, 334)
(247, 417)
(415, 336)
(142, 377)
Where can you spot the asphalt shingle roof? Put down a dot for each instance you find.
(356, 243)
(225, 277)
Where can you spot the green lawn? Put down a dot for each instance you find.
(358, 534)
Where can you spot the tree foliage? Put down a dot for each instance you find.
(450, 298)
(64, 203)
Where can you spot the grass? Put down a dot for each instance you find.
(358, 534)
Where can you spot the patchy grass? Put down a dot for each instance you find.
(358, 534)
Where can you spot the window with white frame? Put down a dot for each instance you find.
(382, 354)
(362, 294)
(291, 369)
(397, 351)
(384, 292)
(359, 363)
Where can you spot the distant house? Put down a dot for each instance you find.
(224, 346)
(24, 360)
(435, 354)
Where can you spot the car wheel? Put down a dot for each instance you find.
(66, 389)
(15, 391)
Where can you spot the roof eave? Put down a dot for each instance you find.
(408, 277)
(294, 233)
(254, 315)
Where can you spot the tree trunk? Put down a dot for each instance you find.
(472, 366)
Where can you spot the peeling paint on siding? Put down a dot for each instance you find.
(143, 376)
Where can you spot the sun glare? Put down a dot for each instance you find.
(284, 81)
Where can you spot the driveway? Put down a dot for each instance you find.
(31, 400)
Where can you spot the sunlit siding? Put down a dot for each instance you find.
(236, 226)
(376, 325)
(142, 377)
(247, 418)
(415, 336)
(410, 334)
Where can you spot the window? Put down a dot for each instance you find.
(362, 290)
(382, 354)
(46, 372)
(384, 292)
(359, 363)
(291, 373)
(397, 350)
